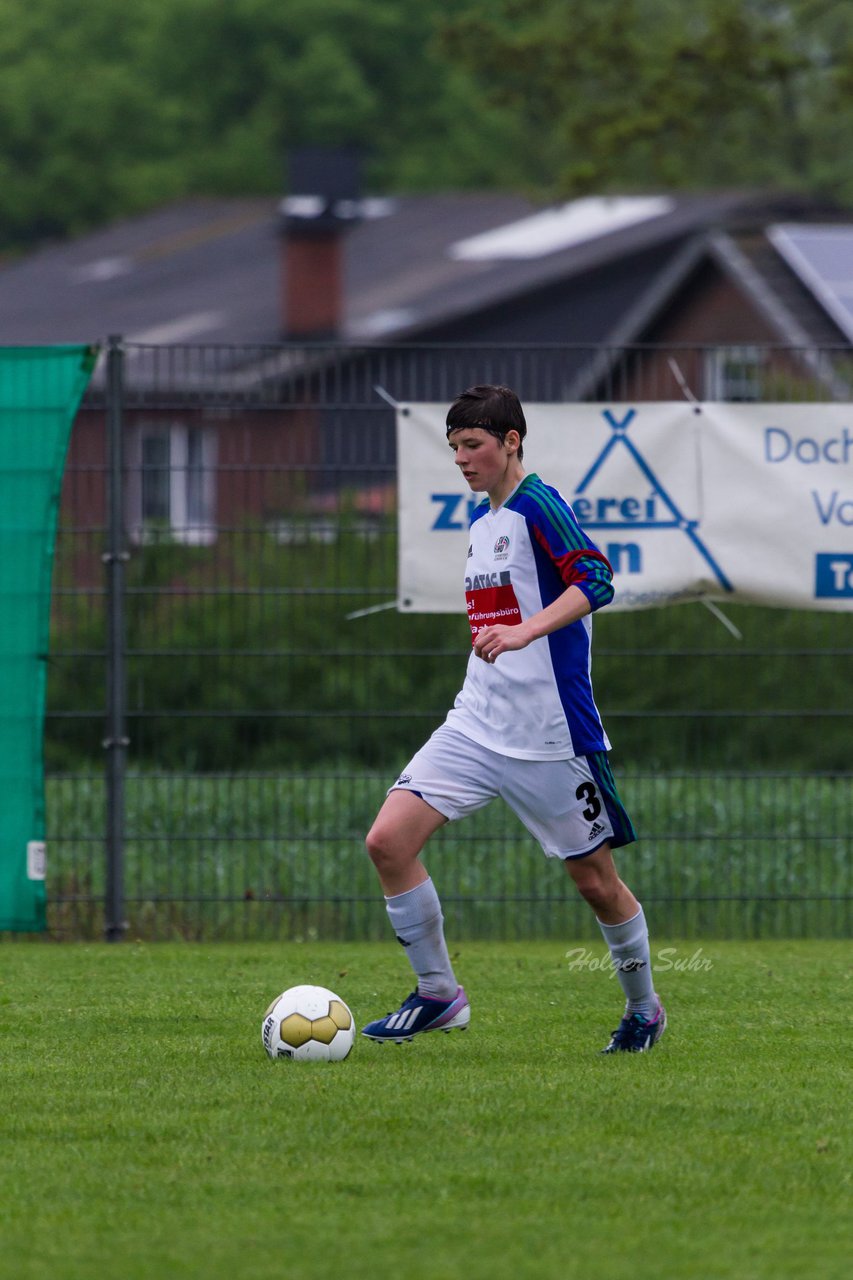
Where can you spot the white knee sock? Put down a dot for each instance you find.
(419, 925)
(629, 950)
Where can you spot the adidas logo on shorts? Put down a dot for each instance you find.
(597, 829)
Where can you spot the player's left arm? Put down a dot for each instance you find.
(569, 607)
(589, 585)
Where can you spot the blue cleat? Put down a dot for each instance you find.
(636, 1034)
(420, 1013)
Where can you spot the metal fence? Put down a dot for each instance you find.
(231, 690)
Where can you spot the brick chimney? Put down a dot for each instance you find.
(323, 204)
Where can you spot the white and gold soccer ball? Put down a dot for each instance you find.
(308, 1024)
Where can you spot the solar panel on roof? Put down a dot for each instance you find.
(561, 227)
(822, 257)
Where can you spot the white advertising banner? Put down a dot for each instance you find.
(750, 502)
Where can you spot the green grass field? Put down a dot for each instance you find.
(145, 1134)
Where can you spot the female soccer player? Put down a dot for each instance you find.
(524, 726)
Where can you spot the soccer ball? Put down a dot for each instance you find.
(308, 1024)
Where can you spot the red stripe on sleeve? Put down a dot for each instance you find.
(570, 566)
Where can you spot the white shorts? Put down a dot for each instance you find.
(570, 806)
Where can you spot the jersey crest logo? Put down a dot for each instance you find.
(502, 547)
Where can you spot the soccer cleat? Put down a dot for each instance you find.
(636, 1034)
(420, 1013)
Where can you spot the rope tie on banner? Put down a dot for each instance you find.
(683, 384)
(389, 399)
(697, 408)
(390, 604)
(721, 617)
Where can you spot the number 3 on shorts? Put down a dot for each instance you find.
(586, 791)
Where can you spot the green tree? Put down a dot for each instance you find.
(327, 72)
(82, 135)
(105, 113)
(645, 93)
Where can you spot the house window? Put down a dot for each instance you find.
(155, 478)
(172, 483)
(734, 373)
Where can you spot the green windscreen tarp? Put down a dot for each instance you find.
(40, 390)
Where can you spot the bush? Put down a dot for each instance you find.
(254, 654)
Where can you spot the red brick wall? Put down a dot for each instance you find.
(261, 458)
(710, 312)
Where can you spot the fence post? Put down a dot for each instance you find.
(115, 559)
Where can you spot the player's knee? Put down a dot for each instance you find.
(375, 845)
(382, 847)
(596, 889)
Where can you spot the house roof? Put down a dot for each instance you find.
(417, 268)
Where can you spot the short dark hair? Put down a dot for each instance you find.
(494, 409)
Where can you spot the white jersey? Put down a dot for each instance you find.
(534, 703)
